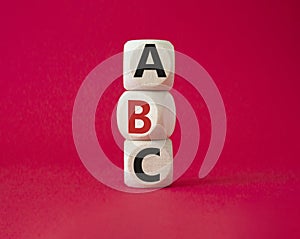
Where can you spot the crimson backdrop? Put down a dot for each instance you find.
(250, 48)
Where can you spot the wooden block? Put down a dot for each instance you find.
(146, 115)
(148, 164)
(148, 65)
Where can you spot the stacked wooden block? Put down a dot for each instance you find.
(146, 113)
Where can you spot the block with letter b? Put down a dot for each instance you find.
(148, 65)
(148, 164)
(146, 115)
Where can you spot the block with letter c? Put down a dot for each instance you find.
(148, 164)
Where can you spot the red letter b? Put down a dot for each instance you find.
(132, 116)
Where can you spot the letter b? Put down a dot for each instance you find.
(133, 116)
(146, 115)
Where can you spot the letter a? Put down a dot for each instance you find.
(150, 48)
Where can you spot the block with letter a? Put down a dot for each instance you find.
(146, 113)
(148, 65)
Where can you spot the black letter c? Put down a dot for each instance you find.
(138, 165)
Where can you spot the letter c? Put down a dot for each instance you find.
(138, 165)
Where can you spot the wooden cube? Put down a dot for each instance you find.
(146, 115)
(148, 65)
(148, 164)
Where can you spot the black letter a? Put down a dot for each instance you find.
(156, 62)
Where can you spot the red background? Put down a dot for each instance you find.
(250, 48)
